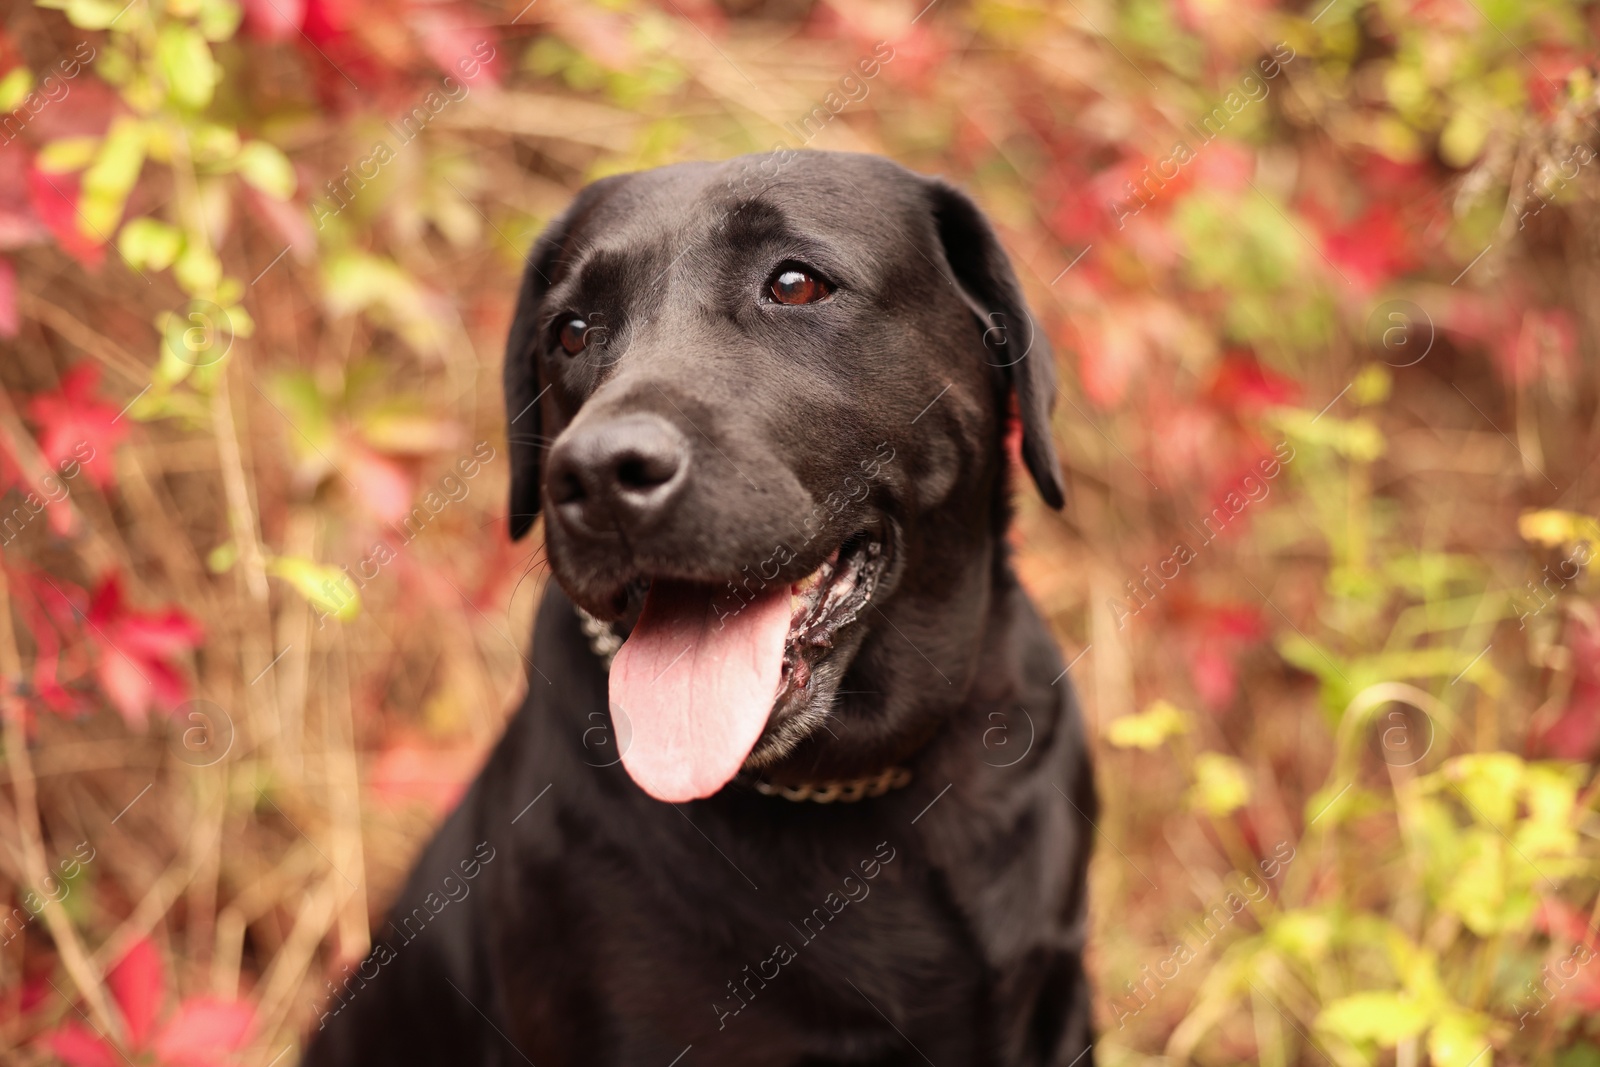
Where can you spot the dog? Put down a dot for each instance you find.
(799, 778)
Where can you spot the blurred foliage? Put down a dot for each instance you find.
(1320, 275)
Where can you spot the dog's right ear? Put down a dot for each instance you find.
(524, 426)
(985, 280)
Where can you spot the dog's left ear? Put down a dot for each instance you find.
(1011, 336)
(524, 427)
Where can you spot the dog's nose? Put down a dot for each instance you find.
(620, 473)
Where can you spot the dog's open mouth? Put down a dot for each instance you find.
(823, 603)
(693, 686)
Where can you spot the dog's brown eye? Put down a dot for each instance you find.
(573, 336)
(795, 286)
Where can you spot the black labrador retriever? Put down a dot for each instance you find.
(831, 803)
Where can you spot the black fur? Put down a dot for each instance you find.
(941, 923)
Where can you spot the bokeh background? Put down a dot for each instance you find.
(1321, 279)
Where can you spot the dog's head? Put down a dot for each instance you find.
(762, 405)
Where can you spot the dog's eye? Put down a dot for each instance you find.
(573, 335)
(794, 285)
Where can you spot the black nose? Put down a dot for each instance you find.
(618, 474)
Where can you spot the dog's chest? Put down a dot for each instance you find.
(812, 940)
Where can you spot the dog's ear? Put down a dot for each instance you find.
(1011, 336)
(524, 427)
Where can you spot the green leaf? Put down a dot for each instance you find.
(150, 243)
(1335, 804)
(307, 410)
(268, 169)
(1220, 784)
(1149, 728)
(1580, 1054)
(328, 589)
(1386, 1018)
(1302, 652)
(186, 63)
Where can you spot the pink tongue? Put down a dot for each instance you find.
(695, 682)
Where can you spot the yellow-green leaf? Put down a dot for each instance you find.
(328, 589)
(1149, 728)
(150, 243)
(14, 86)
(1464, 136)
(1459, 1039)
(67, 155)
(219, 19)
(93, 14)
(241, 322)
(268, 169)
(220, 560)
(1220, 784)
(186, 63)
(1386, 1018)
(1372, 385)
(1488, 782)
(1553, 528)
(198, 270)
(1303, 934)
(109, 180)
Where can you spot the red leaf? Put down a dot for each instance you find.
(284, 219)
(78, 1047)
(408, 772)
(138, 984)
(75, 428)
(1112, 348)
(134, 650)
(1556, 917)
(8, 299)
(204, 1030)
(55, 202)
(18, 224)
(463, 51)
(383, 485)
(1373, 249)
(1575, 734)
(274, 20)
(86, 111)
(1542, 345)
(1214, 675)
(1242, 384)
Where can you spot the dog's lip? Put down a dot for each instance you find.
(622, 596)
(826, 602)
